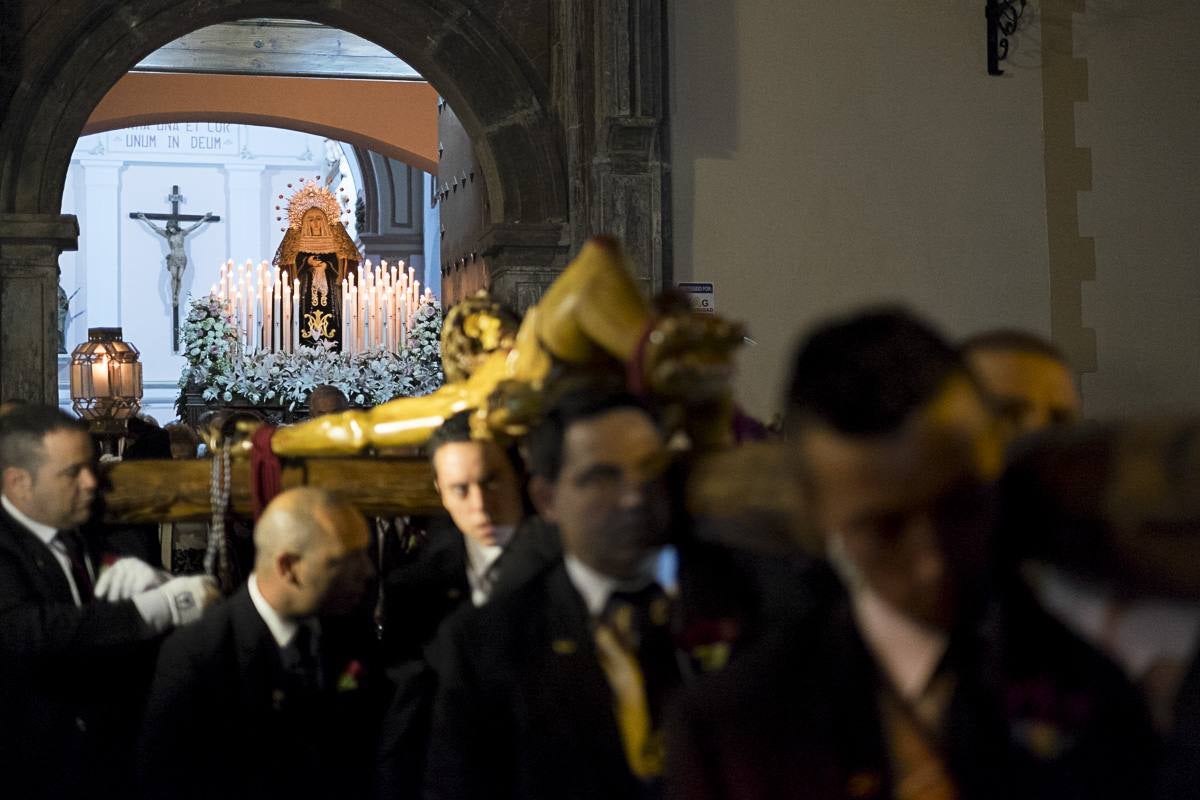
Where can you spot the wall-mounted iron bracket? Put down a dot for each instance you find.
(1003, 19)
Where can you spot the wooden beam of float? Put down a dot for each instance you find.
(175, 491)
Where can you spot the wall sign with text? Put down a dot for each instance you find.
(701, 295)
(193, 138)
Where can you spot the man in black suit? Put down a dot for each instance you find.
(274, 692)
(461, 561)
(555, 689)
(924, 668)
(75, 643)
(484, 544)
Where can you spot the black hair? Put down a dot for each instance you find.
(22, 430)
(455, 429)
(1013, 340)
(867, 373)
(544, 445)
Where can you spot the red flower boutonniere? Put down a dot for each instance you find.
(709, 642)
(1045, 719)
(350, 677)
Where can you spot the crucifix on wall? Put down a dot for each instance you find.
(176, 257)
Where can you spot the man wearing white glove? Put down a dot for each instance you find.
(72, 664)
(276, 686)
(162, 601)
(127, 577)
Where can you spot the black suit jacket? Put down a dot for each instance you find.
(71, 678)
(523, 708)
(1036, 713)
(224, 720)
(421, 594)
(421, 597)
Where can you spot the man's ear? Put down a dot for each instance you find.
(541, 492)
(16, 482)
(285, 567)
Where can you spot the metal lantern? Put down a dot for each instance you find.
(106, 379)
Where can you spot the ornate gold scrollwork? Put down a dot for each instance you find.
(317, 326)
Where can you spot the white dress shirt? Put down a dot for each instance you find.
(282, 629)
(47, 535)
(481, 558)
(1136, 634)
(907, 651)
(596, 587)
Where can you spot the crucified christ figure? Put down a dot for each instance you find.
(176, 258)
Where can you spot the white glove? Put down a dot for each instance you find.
(177, 602)
(189, 596)
(127, 577)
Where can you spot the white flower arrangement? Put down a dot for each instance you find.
(216, 363)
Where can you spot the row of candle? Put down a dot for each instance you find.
(264, 305)
(378, 304)
(379, 307)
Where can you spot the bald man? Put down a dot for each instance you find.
(273, 692)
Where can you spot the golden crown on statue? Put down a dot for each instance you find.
(311, 195)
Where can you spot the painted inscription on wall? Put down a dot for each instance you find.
(183, 138)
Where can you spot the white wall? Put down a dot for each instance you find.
(1141, 122)
(832, 154)
(828, 155)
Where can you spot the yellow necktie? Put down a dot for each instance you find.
(919, 768)
(643, 745)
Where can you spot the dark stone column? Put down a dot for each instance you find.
(29, 248)
(523, 259)
(613, 108)
(630, 172)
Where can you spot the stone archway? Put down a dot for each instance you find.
(463, 55)
(517, 72)
(77, 53)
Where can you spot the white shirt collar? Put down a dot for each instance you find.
(282, 629)
(42, 531)
(907, 651)
(596, 587)
(481, 557)
(480, 560)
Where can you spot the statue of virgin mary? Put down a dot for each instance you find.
(316, 253)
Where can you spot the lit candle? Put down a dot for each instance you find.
(237, 315)
(250, 337)
(395, 346)
(268, 293)
(296, 321)
(353, 316)
(345, 316)
(361, 311)
(370, 309)
(285, 323)
(386, 343)
(277, 342)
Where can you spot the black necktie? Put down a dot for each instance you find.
(301, 659)
(72, 547)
